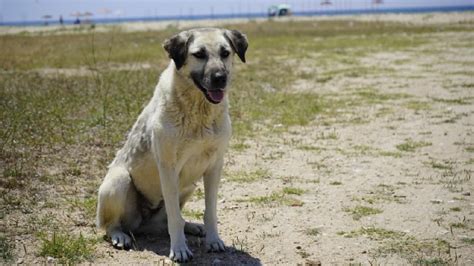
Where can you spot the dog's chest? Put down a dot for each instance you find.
(197, 156)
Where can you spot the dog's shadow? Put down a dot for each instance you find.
(160, 244)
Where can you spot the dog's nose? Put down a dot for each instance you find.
(219, 79)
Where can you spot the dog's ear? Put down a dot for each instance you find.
(238, 42)
(177, 47)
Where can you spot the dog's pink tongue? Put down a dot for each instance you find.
(216, 95)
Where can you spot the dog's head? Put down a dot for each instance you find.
(205, 57)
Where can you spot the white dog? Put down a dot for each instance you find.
(180, 136)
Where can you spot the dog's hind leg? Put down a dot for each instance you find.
(117, 210)
(156, 224)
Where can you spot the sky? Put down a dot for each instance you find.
(34, 10)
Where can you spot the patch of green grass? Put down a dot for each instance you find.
(293, 191)
(469, 149)
(410, 145)
(45, 222)
(382, 193)
(384, 111)
(303, 254)
(454, 117)
(460, 101)
(406, 246)
(6, 249)
(198, 194)
(30, 52)
(193, 214)
(453, 179)
(73, 171)
(430, 252)
(457, 225)
(468, 240)
(455, 209)
(394, 154)
(313, 231)
(431, 261)
(67, 248)
(372, 96)
(276, 198)
(273, 155)
(446, 165)
(309, 148)
(11, 182)
(241, 244)
(374, 233)
(364, 149)
(320, 166)
(324, 79)
(335, 183)
(54, 114)
(361, 211)
(247, 177)
(87, 205)
(417, 105)
(313, 181)
(328, 135)
(14, 172)
(283, 109)
(239, 146)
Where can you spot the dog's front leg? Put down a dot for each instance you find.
(211, 184)
(169, 179)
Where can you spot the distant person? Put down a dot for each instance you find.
(77, 21)
(61, 21)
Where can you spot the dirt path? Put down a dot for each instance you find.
(389, 184)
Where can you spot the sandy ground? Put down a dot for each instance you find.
(423, 195)
(346, 169)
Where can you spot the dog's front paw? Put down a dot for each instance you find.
(214, 244)
(181, 253)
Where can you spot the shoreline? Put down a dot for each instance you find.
(136, 26)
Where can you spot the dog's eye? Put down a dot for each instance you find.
(200, 54)
(225, 53)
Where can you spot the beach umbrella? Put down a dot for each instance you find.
(46, 17)
(76, 14)
(104, 11)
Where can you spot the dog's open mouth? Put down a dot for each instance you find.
(214, 96)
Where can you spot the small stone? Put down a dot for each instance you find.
(312, 263)
(298, 247)
(216, 262)
(467, 193)
(20, 261)
(436, 201)
(50, 259)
